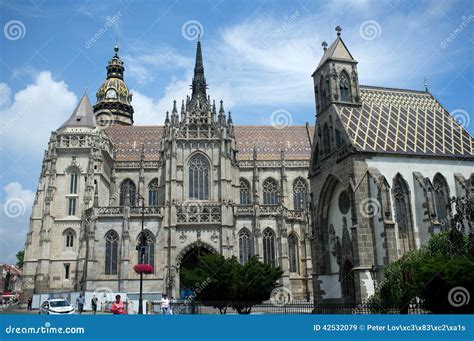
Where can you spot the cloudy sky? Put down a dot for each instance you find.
(258, 58)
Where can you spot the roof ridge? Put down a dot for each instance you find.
(375, 87)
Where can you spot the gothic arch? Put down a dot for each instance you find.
(127, 186)
(441, 198)
(344, 86)
(194, 245)
(271, 192)
(403, 212)
(199, 173)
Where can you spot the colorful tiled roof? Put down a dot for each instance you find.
(404, 122)
(267, 140)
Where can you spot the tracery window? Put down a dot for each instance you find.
(269, 247)
(149, 254)
(127, 188)
(153, 192)
(300, 194)
(111, 253)
(244, 192)
(198, 178)
(344, 87)
(441, 196)
(244, 246)
(293, 252)
(271, 192)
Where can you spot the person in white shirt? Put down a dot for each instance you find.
(165, 305)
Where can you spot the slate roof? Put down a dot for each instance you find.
(82, 116)
(267, 140)
(404, 122)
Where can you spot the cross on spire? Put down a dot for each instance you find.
(324, 45)
(338, 30)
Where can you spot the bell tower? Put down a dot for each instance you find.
(113, 97)
(336, 79)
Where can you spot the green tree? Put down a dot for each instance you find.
(230, 284)
(20, 255)
(432, 275)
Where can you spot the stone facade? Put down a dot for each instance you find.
(201, 184)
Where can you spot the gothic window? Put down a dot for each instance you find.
(271, 192)
(127, 188)
(338, 138)
(244, 192)
(153, 192)
(269, 247)
(323, 92)
(69, 238)
(293, 252)
(149, 254)
(347, 282)
(73, 183)
(300, 194)
(244, 246)
(72, 206)
(111, 253)
(326, 140)
(344, 87)
(441, 196)
(66, 271)
(402, 208)
(198, 178)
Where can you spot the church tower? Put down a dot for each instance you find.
(335, 79)
(113, 97)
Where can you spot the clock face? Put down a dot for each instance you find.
(111, 94)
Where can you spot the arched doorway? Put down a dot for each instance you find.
(189, 259)
(347, 283)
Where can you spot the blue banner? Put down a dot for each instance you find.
(238, 327)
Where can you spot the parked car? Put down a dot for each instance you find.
(57, 306)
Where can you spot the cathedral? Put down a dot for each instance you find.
(197, 184)
(331, 205)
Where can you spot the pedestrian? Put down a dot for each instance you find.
(118, 308)
(94, 304)
(80, 303)
(165, 305)
(30, 302)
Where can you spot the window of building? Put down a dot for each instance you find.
(127, 189)
(269, 247)
(344, 87)
(111, 253)
(66, 271)
(73, 183)
(300, 194)
(293, 252)
(244, 192)
(153, 192)
(198, 178)
(271, 192)
(69, 239)
(244, 246)
(149, 254)
(441, 198)
(71, 206)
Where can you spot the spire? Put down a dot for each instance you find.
(199, 85)
(426, 84)
(82, 116)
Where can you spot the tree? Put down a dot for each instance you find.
(434, 275)
(20, 255)
(230, 284)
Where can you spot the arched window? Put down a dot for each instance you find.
(73, 183)
(244, 192)
(441, 196)
(344, 87)
(300, 194)
(244, 246)
(293, 252)
(403, 216)
(111, 252)
(153, 192)
(149, 254)
(127, 188)
(198, 178)
(347, 282)
(326, 140)
(269, 247)
(69, 238)
(271, 192)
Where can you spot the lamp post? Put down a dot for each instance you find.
(141, 248)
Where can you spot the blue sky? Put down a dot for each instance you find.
(258, 58)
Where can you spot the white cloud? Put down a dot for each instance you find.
(34, 112)
(14, 217)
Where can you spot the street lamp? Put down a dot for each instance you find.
(141, 247)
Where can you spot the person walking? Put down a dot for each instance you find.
(118, 308)
(94, 304)
(165, 305)
(80, 303)
(30, 303)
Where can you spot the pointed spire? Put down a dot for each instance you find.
(229, 118)
(82, 116)
(167, 119)
(175, 111)
(324, 45)
(221, 109)
(199, 85)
